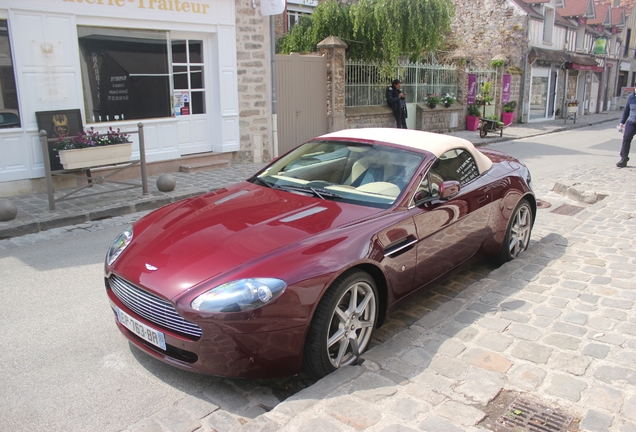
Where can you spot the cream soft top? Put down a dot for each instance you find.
(435, 143)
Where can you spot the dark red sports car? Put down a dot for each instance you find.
(296, 266)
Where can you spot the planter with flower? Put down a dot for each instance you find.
(448, 100)
(573, 106)
(508, 115)
(432, 100)
(90, 149)
(472, 118)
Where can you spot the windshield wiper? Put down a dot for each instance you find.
(263, 182)
(320, 193)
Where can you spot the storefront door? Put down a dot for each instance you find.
(594, 92)
(191, 91)
(542, 94)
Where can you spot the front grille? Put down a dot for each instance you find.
(151, 307)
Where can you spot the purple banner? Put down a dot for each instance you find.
(472, 89)
(505, 94)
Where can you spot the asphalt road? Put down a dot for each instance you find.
(65, 366)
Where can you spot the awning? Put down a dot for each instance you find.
(549, 55)
(584, 63)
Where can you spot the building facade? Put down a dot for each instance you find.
(196, 73)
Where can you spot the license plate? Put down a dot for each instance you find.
(142, 330)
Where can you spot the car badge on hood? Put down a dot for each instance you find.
(151, 267)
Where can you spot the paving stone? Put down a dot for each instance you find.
(451, 348)
(253, 411)
(596, 421)
(589, 298)
(526, 377)
(596, 350)
(565, 293)
(459, 413)
(225, 397)
(145, 425)
(435, 424)
(629, 409)
(569, 329)
(562, 341)
(481, 386)
(371, 387)
(617, 303)
(566, 387)
(259, 424)
(611, 338)
(609, 374)
(521, 331)
(575, 318)
(572, 363)
(467, 317)
(417, 356)
(353, 413)
(197, 406)
(404, 407)
(176, 420)
(533, 352)
(542, 322)
(438, 316)
(493, 323)
(627, 328)
(547, 311)
(559, 302)
(449, 367)
(605, 398)
(459, 331)
(494, 341)
(515, 316)
(601, 323)
(487, 360)
(401, 367)
(309, 424)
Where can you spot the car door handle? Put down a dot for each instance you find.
(398, 246)
(481, 199)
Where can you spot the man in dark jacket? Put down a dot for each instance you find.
(396, 100)
(628, 127)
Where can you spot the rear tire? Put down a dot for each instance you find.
(342, 325)
(517, 234)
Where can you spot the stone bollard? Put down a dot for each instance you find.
(166, 183)
(8, 211)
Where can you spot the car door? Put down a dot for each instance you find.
(450, 231)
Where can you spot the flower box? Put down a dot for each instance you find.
(573, 109)
(472, 123)
(95, 156)
(507, 118)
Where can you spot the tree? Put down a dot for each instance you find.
(380, 30)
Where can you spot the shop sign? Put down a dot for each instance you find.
(600, 46)
(472, 89)
(505, 93)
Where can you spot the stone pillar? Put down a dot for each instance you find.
(335, 51)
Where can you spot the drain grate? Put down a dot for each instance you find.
(532, 417)
(567, 210)
(543, 204)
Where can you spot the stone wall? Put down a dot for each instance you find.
(369, 116)
(438, 119)
(253, 47)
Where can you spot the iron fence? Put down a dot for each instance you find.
(366, 83)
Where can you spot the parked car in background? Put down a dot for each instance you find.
(9, 118)
(296, 266)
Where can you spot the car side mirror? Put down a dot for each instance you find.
(449, 189)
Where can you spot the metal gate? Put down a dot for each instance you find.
(301, 90)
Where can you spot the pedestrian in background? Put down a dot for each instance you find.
(397, 101)
(628, 127)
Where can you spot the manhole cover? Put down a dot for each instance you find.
(543, 204)
(532, 417)
(567, 209)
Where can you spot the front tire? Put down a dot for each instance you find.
(343, 324)
(518, 233)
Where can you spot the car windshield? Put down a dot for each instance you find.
(371, 175)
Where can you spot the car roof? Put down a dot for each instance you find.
(435, 143)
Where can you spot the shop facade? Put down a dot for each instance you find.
(175, 65)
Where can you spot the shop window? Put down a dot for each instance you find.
(9, 112)
(188, 77)
(125, 73)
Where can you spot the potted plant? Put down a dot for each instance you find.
(472, 118)
(508, 115)
(573, 106)
(432, 100)
(90, 148)
(448, 100)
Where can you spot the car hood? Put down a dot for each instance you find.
(182, 245)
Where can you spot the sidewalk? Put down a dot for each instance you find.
(34, 215)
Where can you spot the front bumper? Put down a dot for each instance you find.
(249, 355)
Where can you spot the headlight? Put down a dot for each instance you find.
(118, 246)
(240, 295)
